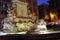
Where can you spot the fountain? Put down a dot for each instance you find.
(17, 19)
(41, 26)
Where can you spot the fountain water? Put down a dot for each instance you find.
(41, 26)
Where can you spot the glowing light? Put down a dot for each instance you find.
(52, 15)
(46, 17)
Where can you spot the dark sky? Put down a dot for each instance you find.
(42, 1)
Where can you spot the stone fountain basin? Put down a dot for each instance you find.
(45, 32)
(1, 33)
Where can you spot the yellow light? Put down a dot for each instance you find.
(52, 16)
(46, 17)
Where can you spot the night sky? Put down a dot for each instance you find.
(42, 1)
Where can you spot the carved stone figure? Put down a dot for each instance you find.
(41, 26)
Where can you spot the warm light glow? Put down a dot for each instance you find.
(46, 17)
(33, 14)
(53, 16)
